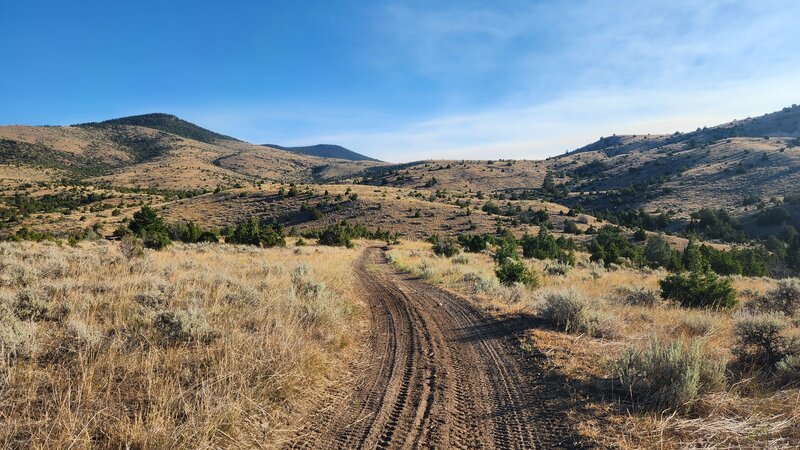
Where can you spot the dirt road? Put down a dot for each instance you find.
(436, 373)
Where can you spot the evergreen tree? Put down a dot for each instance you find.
(692, 258)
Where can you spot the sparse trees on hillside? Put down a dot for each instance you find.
(610, 246)
(545, 246)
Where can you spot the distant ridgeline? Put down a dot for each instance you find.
(325, 151)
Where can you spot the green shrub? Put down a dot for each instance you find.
(341, 234)
(692, 257)
(251, 232)
(699, 289)
(747, 262)
(155, 240)
(545, 246)
(315, 214)
(716, 224)
(491, 208)
(147, 225)
(184, 231)
(147, 220)
(773, 216)
(610, 246)
(208, 236)
(510, 271)
(505, 246)
(26, 234)
(571, 227)
(792, 198)
(669, 375)
(474, 243)
(335, 236)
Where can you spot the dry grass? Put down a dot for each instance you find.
(202, 346)
(747, 413)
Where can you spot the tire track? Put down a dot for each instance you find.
(436, 373)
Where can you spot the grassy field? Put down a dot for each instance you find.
(197, 346)
(622, 312)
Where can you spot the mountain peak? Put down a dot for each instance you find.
(167, 123)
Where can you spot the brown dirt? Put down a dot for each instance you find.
(437, 373)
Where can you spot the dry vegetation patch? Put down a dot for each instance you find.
(644, 372)
(198, 346)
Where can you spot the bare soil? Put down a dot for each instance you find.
(437, 373)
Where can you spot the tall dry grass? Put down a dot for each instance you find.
(200, 346)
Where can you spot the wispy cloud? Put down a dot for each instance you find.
(523, 79)
(569, 122)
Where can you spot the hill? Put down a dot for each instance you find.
(159, 151)
(80, 152)
(325, 151)
(737, 166)
(166, 123)
(748, 168)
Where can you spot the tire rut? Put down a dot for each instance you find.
(436, 373)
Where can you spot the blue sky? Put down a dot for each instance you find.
(403, 80)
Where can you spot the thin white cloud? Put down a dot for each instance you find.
(559, 74)
(570, 122)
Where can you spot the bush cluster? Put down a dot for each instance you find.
(669, 375)
(474, 243)
(699, 289)
(783, 299)
(716, 224)
(569, 311)
(545, 246)
(252, 232)
(762, 342)
(511, 271)
(190, 232)
(447, 247)
(610, 246)
(149, 227)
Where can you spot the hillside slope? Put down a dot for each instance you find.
(734, 166)
(82, 151)
(159, 151)
(166, 123)
(745, 167)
